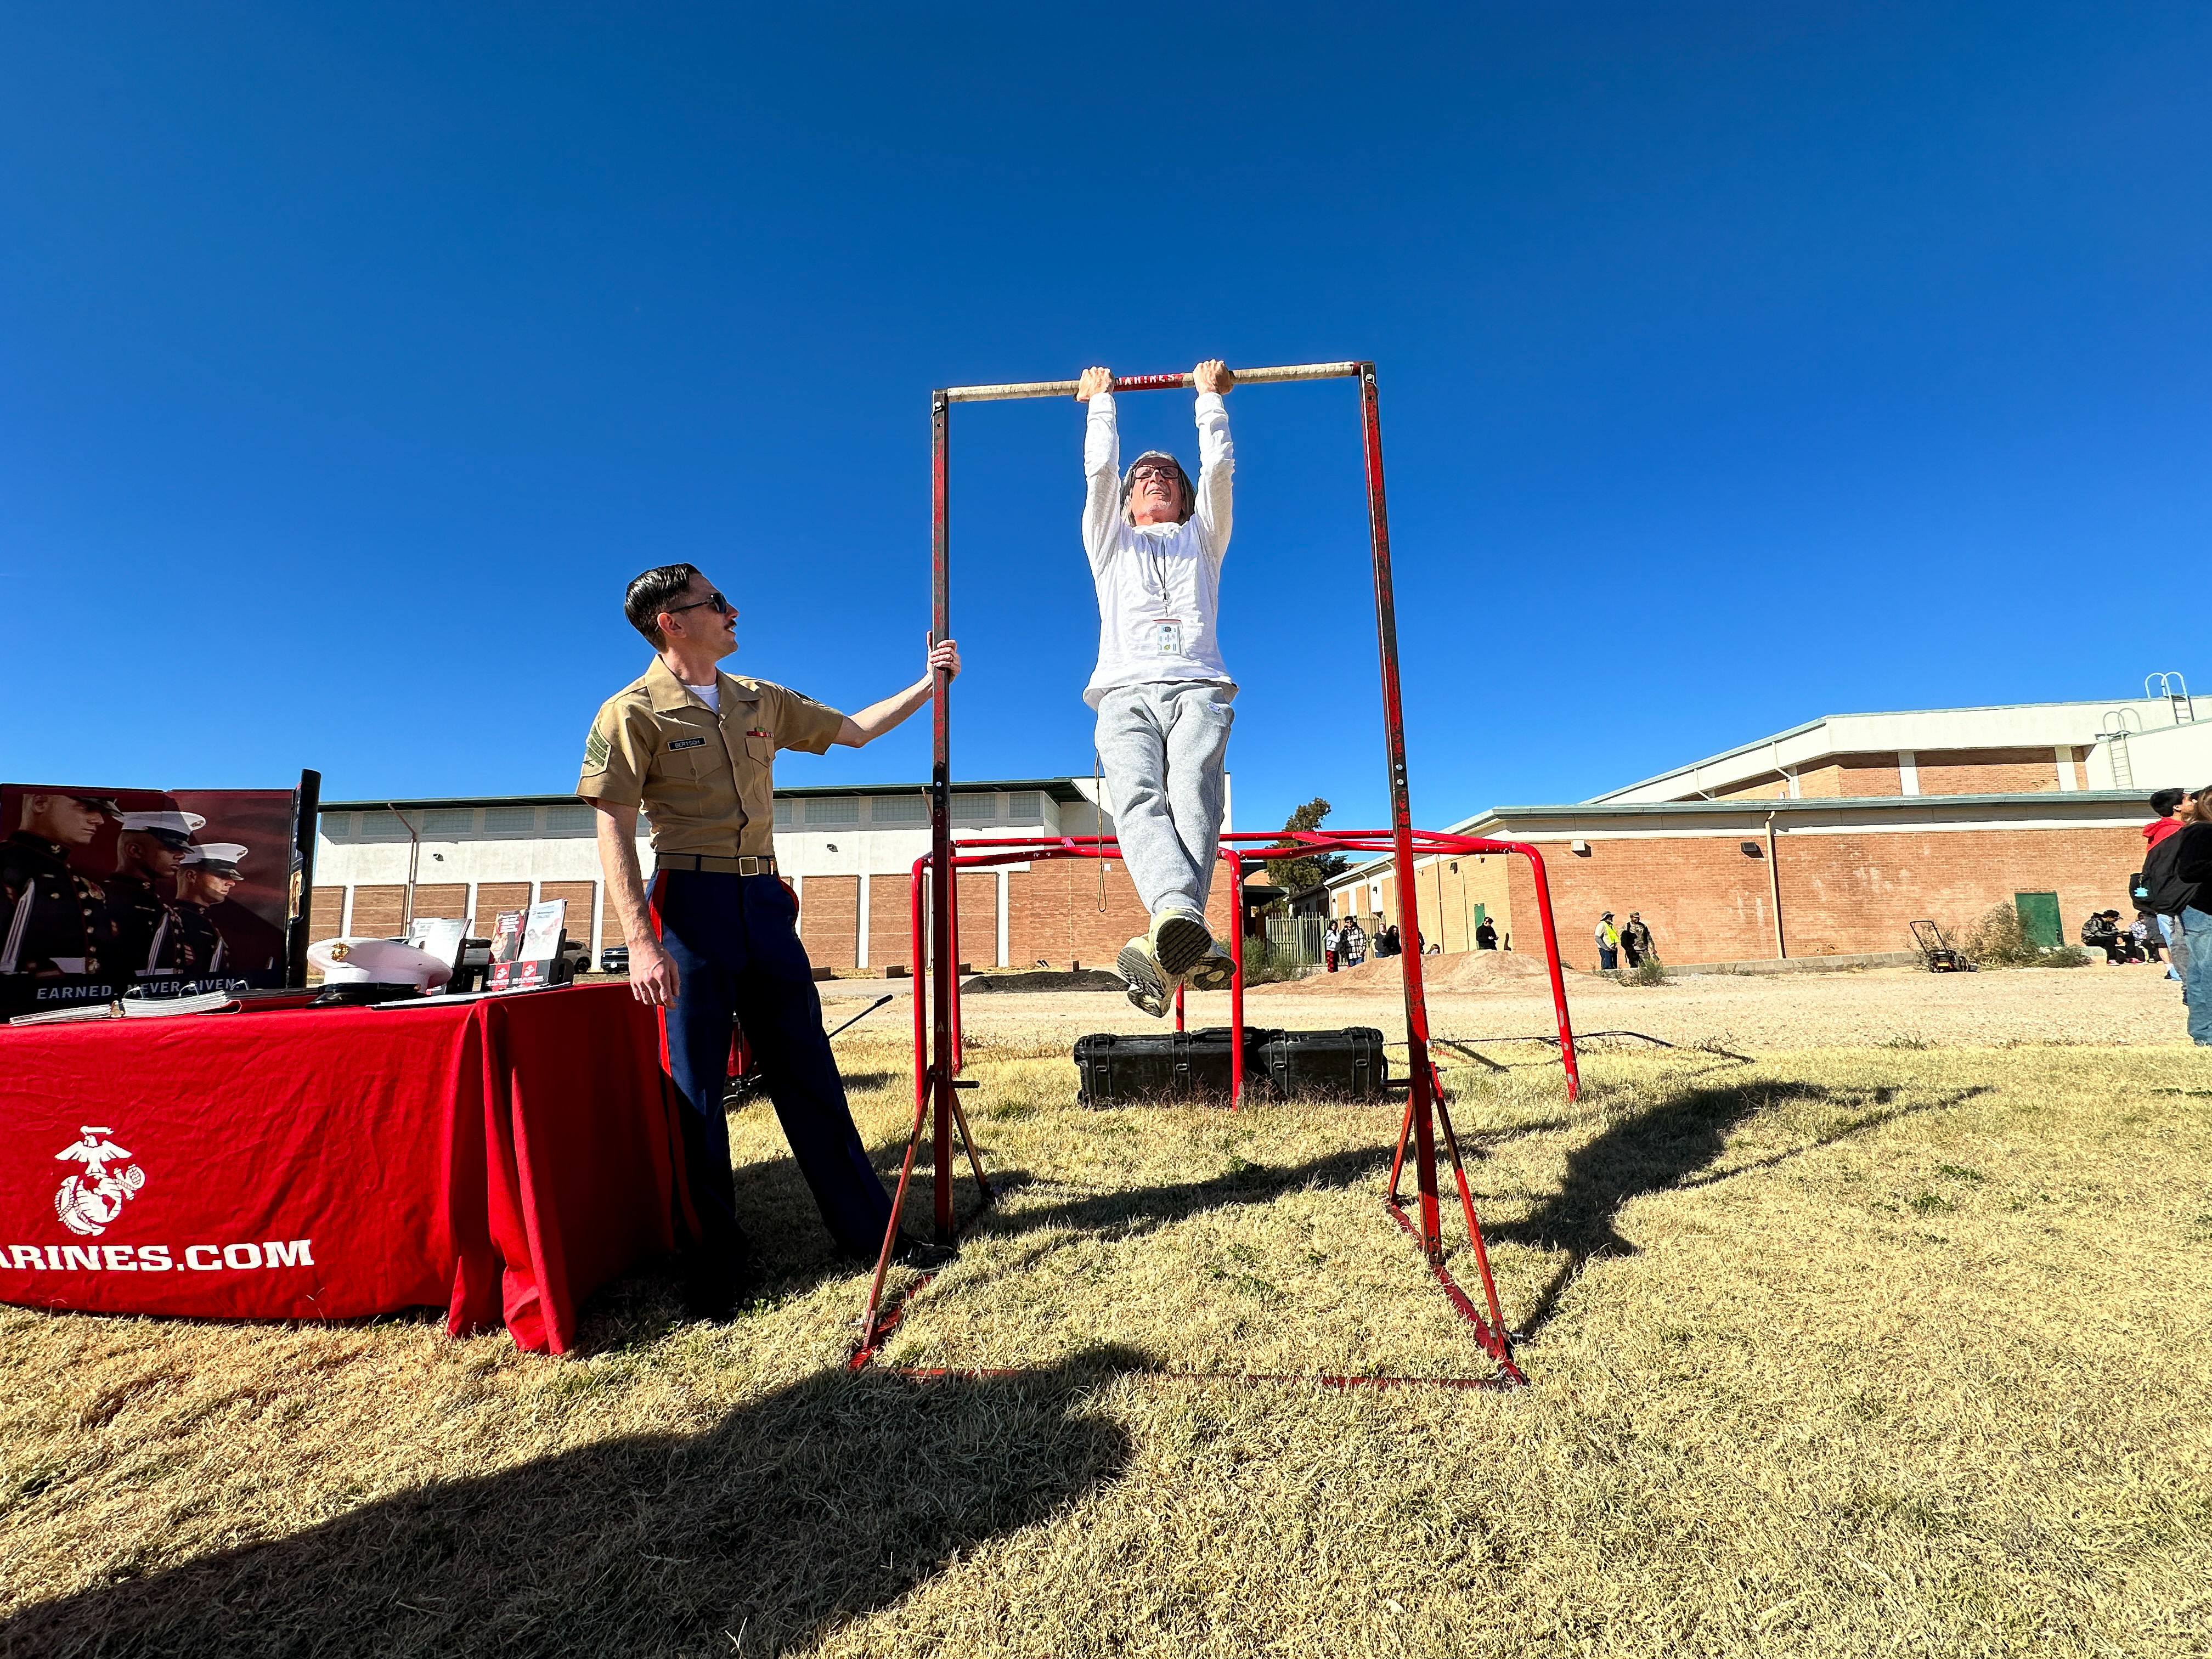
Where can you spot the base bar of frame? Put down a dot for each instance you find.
(999, 1373)
(873, 1340)
(1491, 1340)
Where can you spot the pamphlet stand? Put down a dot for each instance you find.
(937, 1035)
(531, 974)
(529, 948)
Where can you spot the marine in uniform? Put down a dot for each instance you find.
(205, 876)
(694, 748)
(53, 921)
(150, 942)
(225, 936)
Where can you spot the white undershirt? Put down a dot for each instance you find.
(709, 695)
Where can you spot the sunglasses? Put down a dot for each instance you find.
(1149, 474)
(715, 602)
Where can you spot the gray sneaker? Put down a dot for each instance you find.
(1216, 971)
(1180, 941)
(1149, 988)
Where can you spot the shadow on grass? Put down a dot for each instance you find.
(1669, 1148)
(1136, 1210)
(814, 1506)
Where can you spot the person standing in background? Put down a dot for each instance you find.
(1637, 938)
(1608, 944)
(2192, 901)
(2166, 804)
(1486, 935)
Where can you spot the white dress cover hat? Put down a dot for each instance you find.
(387, 961)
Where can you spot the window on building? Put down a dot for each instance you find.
(975, 809)
(1026, 806)
(784, 814)
(448, 823)
(338, 826)
(510, 820)
(569, 821)
(833, 809)
(899, 808)
(382, 826)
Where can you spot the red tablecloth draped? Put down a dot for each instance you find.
(501, 1158)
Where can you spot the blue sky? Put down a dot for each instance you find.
(1739, 364)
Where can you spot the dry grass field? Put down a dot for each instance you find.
(1892, 1348)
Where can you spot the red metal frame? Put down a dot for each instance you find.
(938, 1058)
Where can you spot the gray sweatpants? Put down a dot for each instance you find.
(1162, 748)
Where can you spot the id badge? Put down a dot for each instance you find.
(1167, 636)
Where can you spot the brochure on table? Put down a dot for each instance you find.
(527, 947)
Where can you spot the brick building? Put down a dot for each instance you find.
(1830, 839)
(848, 852)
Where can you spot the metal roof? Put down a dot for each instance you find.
(2040, 798)
(1060, 789)
(2044, 803)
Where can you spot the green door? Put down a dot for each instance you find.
(2038, 919)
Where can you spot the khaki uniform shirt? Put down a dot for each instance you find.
(706, 783)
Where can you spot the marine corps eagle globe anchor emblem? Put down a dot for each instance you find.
(88, 1202)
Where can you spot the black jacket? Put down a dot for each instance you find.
(2192, 867)
(2164, 891)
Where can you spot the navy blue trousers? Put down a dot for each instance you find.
(738, 955)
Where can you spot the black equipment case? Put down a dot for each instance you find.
(1118, 1070)
(1345, 1065)
(1121, 1070)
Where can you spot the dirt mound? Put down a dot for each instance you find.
(1045, 978)
(1467, 970)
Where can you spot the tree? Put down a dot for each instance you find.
(1296, 875)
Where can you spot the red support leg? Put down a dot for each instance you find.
(1559, 981)
(1236, 983)
(1401, 819)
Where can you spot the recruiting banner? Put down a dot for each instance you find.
(502, 1156)
(165, 892)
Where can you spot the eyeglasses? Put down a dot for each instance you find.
(1152, 474)
(715, 602)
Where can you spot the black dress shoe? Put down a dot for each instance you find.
(715, 1290)
(922, 1255)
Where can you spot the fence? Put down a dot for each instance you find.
(1296, 938)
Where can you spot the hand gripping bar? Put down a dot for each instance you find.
(990, 394)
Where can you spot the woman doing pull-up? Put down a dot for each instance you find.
(1161, 690)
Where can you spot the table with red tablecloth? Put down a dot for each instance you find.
(501, 1159)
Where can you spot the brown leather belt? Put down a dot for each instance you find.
(740, 866)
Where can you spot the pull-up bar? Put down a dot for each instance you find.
(996, 394)
(937, 1070)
